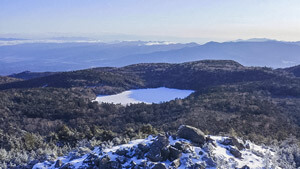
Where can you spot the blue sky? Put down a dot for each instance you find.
(184, 20)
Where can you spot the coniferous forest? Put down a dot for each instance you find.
(47, 116)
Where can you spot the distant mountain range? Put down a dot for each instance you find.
(66, 56)
(45, 56)
(269, 53)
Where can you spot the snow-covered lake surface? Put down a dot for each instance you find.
(148, 96)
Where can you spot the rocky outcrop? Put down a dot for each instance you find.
(174, 153)
(190, 149)
(191, 133)
(233, 141)
(236, 153)
(158, 149)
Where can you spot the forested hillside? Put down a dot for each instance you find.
(55, 113)
(190, 75)
(294, 70)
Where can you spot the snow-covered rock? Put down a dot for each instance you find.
(172, 152)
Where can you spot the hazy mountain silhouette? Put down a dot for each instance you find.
(41, 57)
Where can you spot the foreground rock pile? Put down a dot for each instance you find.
(190, 149)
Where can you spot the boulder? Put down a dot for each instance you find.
(165, 153)
(174, 153)
(247, 146)
(236, 153)
(155, 151)
(191, 133)
(233, 141)
(179, 145)
(121, 152)
(143, 147)
(182, 146)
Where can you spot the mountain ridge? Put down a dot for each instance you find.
(73, 56)
(270, 53)
(197, 74)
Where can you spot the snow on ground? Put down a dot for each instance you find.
(250, 157)
(148, 96)
(254, 157)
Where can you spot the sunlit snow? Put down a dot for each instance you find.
(250, 157)
(148, 96)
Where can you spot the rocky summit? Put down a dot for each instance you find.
(188, 149)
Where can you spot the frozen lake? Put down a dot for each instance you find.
(148, 96)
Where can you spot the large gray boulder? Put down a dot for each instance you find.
(191, 133)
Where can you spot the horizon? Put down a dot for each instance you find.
(13, 39)
(178, 21)
(70, 37)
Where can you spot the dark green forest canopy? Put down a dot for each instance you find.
(260, 104)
